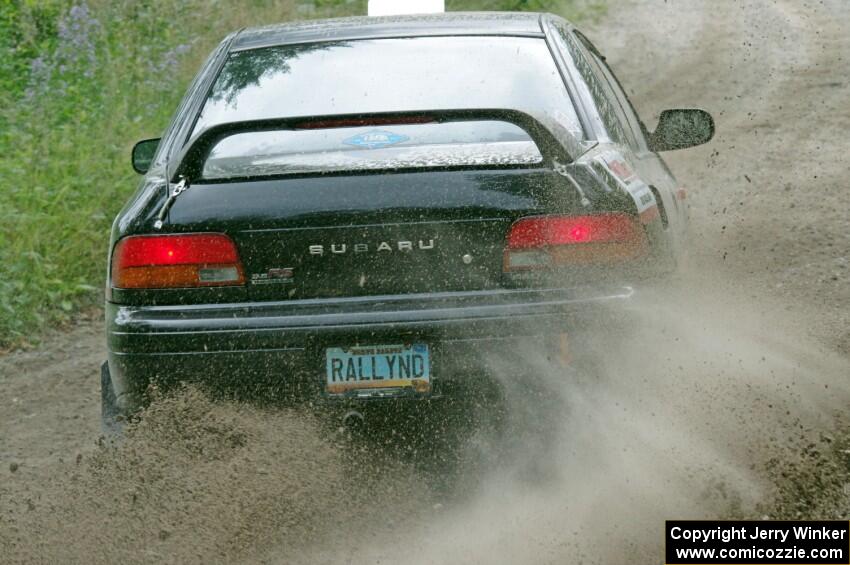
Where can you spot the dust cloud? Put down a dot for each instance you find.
(684, 410)
(680, 407)
(201, 481)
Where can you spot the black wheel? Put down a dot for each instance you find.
(111, 418)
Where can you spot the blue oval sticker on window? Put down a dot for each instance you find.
(375, 139)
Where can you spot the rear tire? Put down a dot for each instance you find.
(111, 418)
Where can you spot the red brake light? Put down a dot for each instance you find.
(546, 241)
(175, 261)
(370, 121)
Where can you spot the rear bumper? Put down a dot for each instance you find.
(278, 345)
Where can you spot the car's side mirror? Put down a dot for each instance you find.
(143, 153)
(678, 129)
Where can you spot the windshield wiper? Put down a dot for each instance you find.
(561, 169)
(180, 187)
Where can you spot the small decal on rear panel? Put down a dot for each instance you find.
(375, 139)
(621, 169)
(274, 276)
(639, 191)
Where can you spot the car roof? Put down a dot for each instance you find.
(363, 27)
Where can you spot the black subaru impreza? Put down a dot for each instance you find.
(367, 209)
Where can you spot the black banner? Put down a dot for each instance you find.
(757, 542)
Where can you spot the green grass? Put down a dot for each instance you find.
(79, 83)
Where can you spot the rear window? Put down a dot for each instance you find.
(381, 76)
(479, 143)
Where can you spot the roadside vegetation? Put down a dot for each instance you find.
(80, 81)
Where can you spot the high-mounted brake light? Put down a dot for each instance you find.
(176, 261)
(548, 241)
(369, 121)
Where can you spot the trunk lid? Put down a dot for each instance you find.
(372, 234)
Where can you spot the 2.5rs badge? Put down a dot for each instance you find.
(274, 276)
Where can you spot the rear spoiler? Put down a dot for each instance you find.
(195, 153)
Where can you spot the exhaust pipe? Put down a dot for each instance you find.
(353, 420)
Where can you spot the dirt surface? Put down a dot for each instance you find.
(729, 403)
(769, 194)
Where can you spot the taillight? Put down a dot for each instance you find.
(550, 241)
(175, 261)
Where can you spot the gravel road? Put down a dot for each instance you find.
(729, 403)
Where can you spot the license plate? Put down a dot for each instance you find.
(371, 370)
